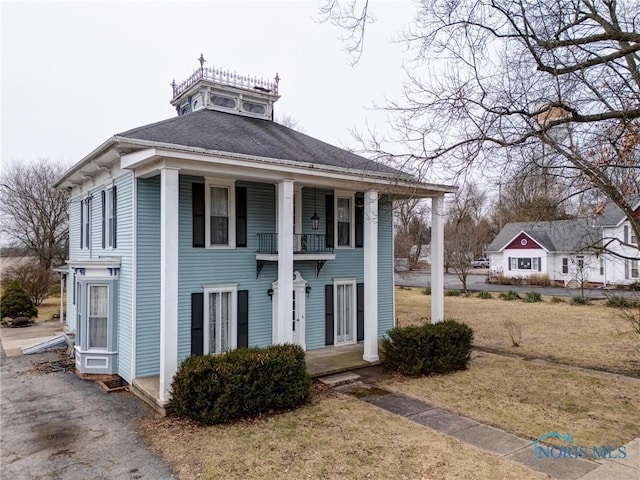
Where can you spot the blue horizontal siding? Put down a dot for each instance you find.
(148, 277)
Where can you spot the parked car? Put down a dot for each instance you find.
(480, 263)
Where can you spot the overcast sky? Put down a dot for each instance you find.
(76, 73)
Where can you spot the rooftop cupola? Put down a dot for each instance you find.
(217, 89)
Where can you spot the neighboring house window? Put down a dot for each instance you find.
(344, 220)
(513, 263)
(85, 222)
(634, 269)
(109, 218)
(524, 264)
(345, 310)
(220, 210)
(565, 265)
(601, 266)
(98, 316)
(580, 262)
(220, 307)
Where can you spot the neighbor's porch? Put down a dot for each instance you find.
(320, 362)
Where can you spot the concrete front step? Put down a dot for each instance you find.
(340, 379)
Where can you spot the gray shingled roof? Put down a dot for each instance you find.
(227, 132)
(555, 236)
(612, 214)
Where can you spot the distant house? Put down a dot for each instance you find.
(563, 249)
(220, 229)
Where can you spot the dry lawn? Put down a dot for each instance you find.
(591, 336)
(530, 400)
(337, 437)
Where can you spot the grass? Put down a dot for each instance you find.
(530, 400)
(337, 437)
(591, 337)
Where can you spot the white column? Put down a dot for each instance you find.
(285, 263)
(63, 278)
(437, 259)
(169, 185)
(370, 276)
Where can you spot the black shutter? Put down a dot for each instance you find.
(359, 214)
(197, 321)
(626, 234)
(243, 318)
(241, 216)
(103, 194)
(360, 311)
(539, 264)
(329, 224)
(197, 206)
(509, 260)
(328, 314)
(114, 233)
(82, 224)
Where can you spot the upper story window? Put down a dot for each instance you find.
(220, 212)
(344, 220)
(109, 218)
(222, 101)
(85, 223)
(253, 107)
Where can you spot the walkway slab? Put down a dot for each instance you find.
(612, 471)
(443, 421)
(566, 469)
(339, 379)
(398, 404)
(491, 439)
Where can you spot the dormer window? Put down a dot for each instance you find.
(253, 107)
(221, 101)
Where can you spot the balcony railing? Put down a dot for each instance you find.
(303, 243)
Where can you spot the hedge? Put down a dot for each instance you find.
(239, 384)
(433, 348)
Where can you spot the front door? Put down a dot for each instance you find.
(298, 310)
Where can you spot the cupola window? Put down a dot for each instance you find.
(221, 101)
(253, 107)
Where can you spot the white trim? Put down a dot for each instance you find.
(338, 194)
(169, 245)
(230, 185)
(299, 286)
(231, 288)
(370, 276)
(352, 281)
(87, 317)
(134, 275)
(437, 259)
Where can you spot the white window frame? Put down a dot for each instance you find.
(230, 185)
(233, 314)
(109, 213)
(534, 264)
(514, 263)
(85, 205)
(634, 268)
(352, 220)
(354, 305)
(87, 315)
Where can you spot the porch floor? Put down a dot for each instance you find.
(320, 362)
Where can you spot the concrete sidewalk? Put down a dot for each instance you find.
(490, 439)
(12, 340)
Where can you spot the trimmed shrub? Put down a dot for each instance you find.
(485, 295)
(432, 348)
(532, 297)
(426, 291)
(539, 280)
(16, 302)
(240, 384)
(635, 286)
(621, 302)
(580, 300)
(452, 293)
(510, 295)
(555, 299)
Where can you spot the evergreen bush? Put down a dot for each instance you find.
(15, 302)
(242, 383)
(485, 295)
(432, 348)
(532, 297)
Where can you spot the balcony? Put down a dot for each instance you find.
(306, 246)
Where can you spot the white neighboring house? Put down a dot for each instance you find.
(562, 249)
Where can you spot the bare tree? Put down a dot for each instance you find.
(290, 122)
(496, 81)
(466, 231)
(411, 230)
(32, 212)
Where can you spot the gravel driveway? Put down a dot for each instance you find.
(57, 426)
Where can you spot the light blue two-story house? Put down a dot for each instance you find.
(219, 229)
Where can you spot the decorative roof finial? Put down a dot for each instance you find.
(174, 85)
(201, 60)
